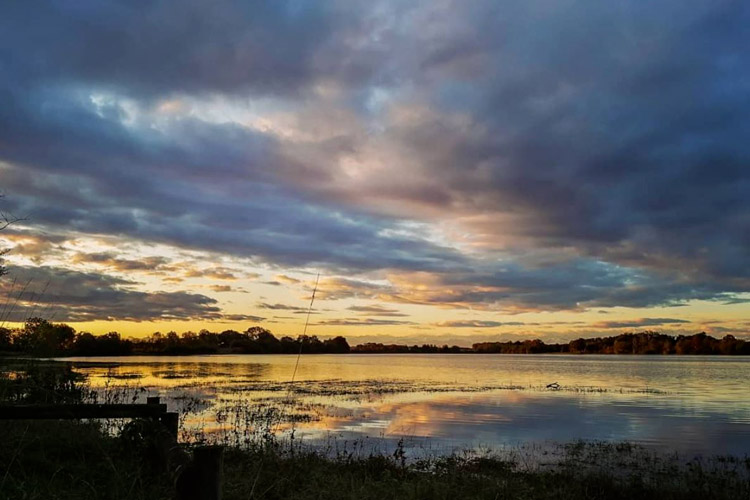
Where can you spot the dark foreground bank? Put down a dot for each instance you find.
(46, 460)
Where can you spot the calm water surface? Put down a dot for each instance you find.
(693, 405)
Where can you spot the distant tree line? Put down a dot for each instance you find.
(377, 348)
(44, 338)
(41, 337)
(647, 342)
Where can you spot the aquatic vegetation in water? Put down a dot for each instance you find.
(359, 388)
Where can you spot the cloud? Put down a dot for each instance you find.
(187, 50)
(639, 323)
(242, 317)
(281, 307)
(377, 310)
(478, 324)
(569, 142)
(65, 295)
(431, 153)
(36, 247)
(338, 288)
(577, 285)
(736, 300)
(216, 273)
(363, 322)
(114, 263)
(287, 279)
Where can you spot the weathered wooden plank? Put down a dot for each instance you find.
(76, 411)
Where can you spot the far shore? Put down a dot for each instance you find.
(42, 338)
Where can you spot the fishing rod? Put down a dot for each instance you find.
(287, 400)
(294, 375)
(304, 330)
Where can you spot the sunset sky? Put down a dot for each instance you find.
(456, 171)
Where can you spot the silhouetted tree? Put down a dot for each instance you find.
(336, 345)
(6, 339)
(5, 221)
(39, 336)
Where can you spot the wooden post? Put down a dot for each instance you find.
(171, 420)
(201, 479)
(210, 461)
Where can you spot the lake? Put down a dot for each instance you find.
(438, 403)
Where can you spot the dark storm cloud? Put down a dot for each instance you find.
(615, 132)
(618, 132)
(157, 48)
(197, 184)
(155, 188)
(65, 295)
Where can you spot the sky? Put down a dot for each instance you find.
(454, 171)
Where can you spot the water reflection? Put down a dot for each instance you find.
(696, 405)
(158, 372)
(512, 418)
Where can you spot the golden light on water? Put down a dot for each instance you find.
(483, 400)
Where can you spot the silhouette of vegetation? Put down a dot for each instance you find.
(629, 343)
(377, 348)
(66, 459)
(35, 382)
(519, 347)
(40, 337)
(44, 338)
(5, 221)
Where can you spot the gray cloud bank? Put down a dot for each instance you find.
(65, 295)
(613, 136)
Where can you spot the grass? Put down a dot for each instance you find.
(51, 460)
(69, 460)
(311, 476)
